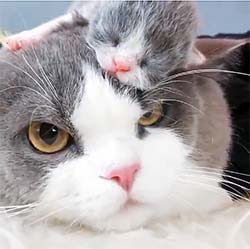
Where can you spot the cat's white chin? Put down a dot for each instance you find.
(129, 217)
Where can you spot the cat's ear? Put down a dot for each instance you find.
(212, 47)
(236, 58)
(228, 63)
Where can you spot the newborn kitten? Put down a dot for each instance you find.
(140, 42)
(83, 148)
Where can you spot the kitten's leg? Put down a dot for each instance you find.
(29, 37)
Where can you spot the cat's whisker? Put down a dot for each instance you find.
(31, 77)
(162, 86)
(11, 212)
(164, 89)
(24, 87)
(47, 80)
(236, 194)
(36, 74)
(18, 206)
(43, 218)
(18, 213)
(36, 108)
(25, 72)
(213, 187)
(199, 181)
(206, 186)
(244, 147)
(236, 229)
(219, 170)
(167, 82)
(179, 101)
(206, 70)
(225, 182)
(218, 174)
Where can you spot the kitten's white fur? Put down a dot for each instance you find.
(129, 50)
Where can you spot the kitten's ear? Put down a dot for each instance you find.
(77, 21)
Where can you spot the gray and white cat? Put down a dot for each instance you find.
(140, 42)
(81, 147)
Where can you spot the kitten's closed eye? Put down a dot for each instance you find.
(143, 62)
(116, 41)
(47, 138)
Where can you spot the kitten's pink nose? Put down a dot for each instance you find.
(124, 176)
(121, 65)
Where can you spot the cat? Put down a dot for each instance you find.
(80, 147)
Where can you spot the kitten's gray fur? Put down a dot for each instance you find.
(203, 121)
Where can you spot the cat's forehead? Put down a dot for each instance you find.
(53, 79)
(104, 105)
(47, 75)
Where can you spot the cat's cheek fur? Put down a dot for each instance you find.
(99, 203)
(163, 157)
(75, 192)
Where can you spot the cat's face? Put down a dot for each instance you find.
(87, 148)
(141, 42)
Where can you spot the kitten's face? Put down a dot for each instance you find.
(141, 42)
(67, 139)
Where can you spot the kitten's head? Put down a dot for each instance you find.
(90, 150)
(142, 41)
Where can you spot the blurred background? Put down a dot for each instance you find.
(216, 16)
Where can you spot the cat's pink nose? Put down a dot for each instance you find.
(124, 176)
(121, 65)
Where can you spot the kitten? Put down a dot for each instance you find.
(84, 148)
(140, 42)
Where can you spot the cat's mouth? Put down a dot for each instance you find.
(130, 203)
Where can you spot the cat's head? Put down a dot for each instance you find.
(142, 41)
(87, 149)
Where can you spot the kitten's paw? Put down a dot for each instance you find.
(19, 41)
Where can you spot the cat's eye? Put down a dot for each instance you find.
(151, 117)
(47, 138)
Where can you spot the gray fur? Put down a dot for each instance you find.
(25, 97)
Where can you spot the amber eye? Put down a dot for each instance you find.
(151, 117)
(47, 138)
